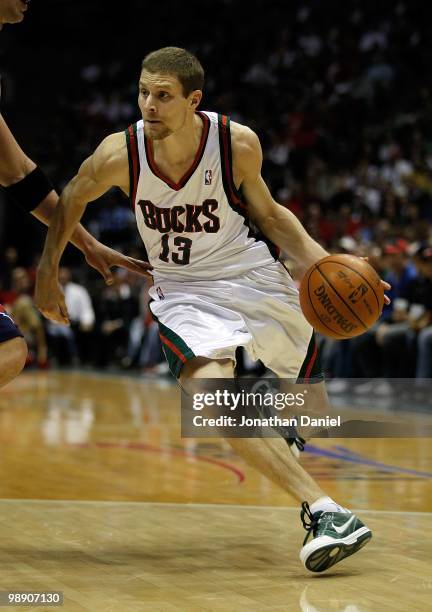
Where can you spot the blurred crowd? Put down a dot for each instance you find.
(110, 326)
(341, 97)
(399, 345)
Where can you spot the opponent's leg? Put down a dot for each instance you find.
(13, 355)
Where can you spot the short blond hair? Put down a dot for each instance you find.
(179, 63)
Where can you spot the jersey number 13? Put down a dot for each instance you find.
(182, 255)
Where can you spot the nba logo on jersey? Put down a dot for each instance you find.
(160, 293)
(207, 177)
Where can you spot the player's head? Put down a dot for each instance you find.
(170, 90)
(12, 11)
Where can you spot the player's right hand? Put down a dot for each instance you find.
(103, 258)
(49, 297)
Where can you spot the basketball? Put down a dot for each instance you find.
(341, 296)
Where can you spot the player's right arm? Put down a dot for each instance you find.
(105, 168)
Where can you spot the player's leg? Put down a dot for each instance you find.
(337, 532)
(286, 345)
(202, 367)
(190, 336)
(270, 456)
(13, 348)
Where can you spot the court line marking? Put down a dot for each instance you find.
(169, 450)
(342, 453)
(345, 454)
(192, 505)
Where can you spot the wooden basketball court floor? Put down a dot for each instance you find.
(101, 498)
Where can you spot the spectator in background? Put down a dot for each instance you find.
(27, 317)
(8, 262)
(370, 349)
(394, 354)
(117, 307)
(114, 223)
(399, 272)
(73, 344)
(144, 348)
(419, 294)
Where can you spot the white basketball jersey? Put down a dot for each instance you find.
(198, 228)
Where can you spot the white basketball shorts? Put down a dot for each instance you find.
(259, 310)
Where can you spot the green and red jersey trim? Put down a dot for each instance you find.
(134, 161)
(184, 179)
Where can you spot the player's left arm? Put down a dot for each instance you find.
(276, 222)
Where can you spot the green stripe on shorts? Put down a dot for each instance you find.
(177, 352)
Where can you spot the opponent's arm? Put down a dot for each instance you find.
(108, 166)
(15, 167)
(277, 223)
(25, 184)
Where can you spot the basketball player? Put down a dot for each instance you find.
(195, 182)
(26, 185)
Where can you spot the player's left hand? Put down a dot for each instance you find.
(386, 286)
(103, 258)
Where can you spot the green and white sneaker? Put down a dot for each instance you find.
(336, 535)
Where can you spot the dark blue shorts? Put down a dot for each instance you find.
(8, 329)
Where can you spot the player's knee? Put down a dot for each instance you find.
(201, 367)
(16, 355)
(21, 352)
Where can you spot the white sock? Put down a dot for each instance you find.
(326, 504)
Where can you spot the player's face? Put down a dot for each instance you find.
(12, 11)
(164, 108)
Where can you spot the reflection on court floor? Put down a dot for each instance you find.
(209, 533)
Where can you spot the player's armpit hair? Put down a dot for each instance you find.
(30, 191)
